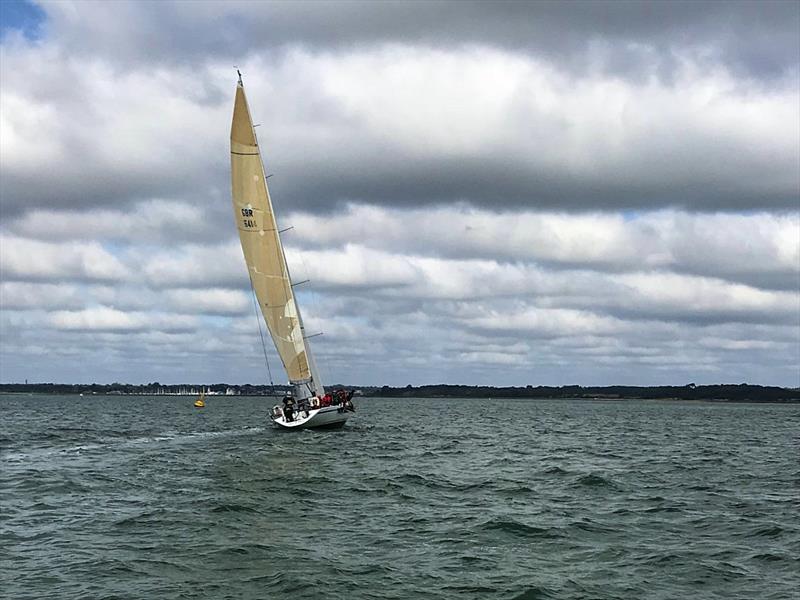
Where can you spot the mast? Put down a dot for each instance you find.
(264, 254)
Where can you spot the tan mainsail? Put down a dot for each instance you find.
(261, 244)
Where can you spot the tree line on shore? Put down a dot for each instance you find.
(728, 392)
(723, 392)
(144, 389)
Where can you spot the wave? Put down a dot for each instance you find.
(660, 559)
(145, 518)
(270, 579)
(772, 531)
(594, 480)
(239, 508)
(534, 593)
(555, 471)
(482, 591)
(663, 509)
(442, 484)
(592, 527)
(516, 489)
(769, 557)
(515, 528)
(392, 508)
(112, 442)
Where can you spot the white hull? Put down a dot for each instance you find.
(328, 416)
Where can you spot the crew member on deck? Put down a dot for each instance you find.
(303, 407)
(288, 408)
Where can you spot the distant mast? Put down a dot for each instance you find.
(263, 253)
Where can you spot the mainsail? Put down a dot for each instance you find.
(263, 251)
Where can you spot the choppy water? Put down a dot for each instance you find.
(109, 497)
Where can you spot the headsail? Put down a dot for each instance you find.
(263, 250)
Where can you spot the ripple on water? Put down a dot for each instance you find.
(234, 508)
(518, 529)
(595, 480)
(415, 499)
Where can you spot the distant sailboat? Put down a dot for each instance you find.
(309, 405)
(201, 399)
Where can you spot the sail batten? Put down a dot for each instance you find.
(262, 248)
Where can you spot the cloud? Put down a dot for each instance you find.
(209, 301)
(398, 125)
(505, 193)
(592, 287)
(28, 260)
(546, 323)
(670, 297)
(77, 133)
(628, 39)
(106, 319)
(151, 221)
(195, 265)
(761, 250)
(16, 295)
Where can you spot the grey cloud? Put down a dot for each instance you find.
(397, 344)
(395, 179)
(760, 250)
(142, 139)
(16, 295)
(82, 356)
(707, 316)
(151, 223)
(627, 38)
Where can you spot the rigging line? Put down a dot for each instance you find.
(261, 334)
(322, 361)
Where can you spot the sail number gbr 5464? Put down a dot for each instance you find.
(247, 218)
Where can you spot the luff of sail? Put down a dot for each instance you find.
(261, 244)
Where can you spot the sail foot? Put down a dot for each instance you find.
(304, 388)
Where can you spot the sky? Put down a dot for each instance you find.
(481, 193)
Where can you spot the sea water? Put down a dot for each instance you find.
(148, 497)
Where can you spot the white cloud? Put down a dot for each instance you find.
(106, 319)
(396, 124)
(195, 265)
(83, 133)
(25, 259)
(547, 322)
(354, 266)
(679, 294)
(762, 249)
(16, 295)
(153, 221)
(209, 301)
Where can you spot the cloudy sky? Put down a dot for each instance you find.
(481, 193)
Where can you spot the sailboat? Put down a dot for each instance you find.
(308, 406)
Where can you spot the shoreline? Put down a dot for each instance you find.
(495, 398)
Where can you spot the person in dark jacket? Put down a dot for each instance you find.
(303, 407)
(288, 408)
